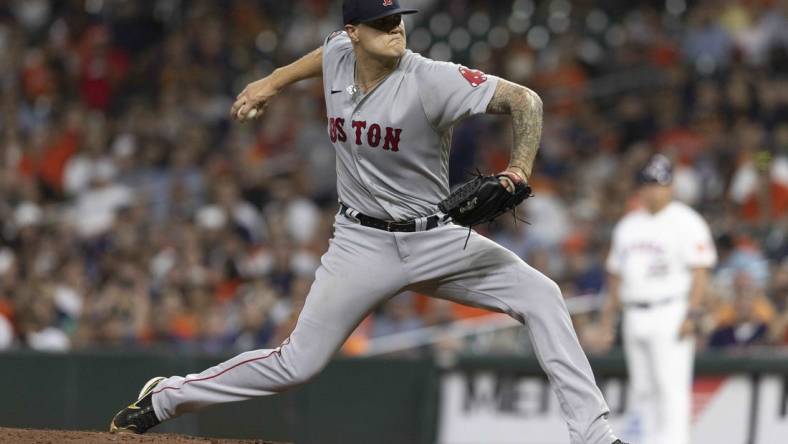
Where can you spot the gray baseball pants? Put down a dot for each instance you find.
(365, 266)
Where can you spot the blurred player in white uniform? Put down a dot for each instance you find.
(657, 268)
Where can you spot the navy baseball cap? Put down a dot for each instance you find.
(360, 11)
(658, 170)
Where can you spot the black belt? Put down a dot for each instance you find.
(427, 223)
(649, 304)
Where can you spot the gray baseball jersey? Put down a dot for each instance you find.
(392, 157)
(393, 143)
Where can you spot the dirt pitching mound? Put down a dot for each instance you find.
(31, 436)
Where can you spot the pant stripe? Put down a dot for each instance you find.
(277, 350)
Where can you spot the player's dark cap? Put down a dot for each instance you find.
(360, 11)
(658, 170)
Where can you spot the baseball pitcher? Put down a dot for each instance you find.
(657, 270)
(390, 118)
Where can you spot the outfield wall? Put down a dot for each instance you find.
(736, 400)
(739, 400)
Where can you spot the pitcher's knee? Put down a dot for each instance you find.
(542, 298)
(304, 374)
(548, 292)
(553, 292)
(301, 367)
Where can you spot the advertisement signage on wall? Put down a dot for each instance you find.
(507, 408)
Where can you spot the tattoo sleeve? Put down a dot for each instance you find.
(525, 107)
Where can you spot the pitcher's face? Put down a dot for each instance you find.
(381, 38)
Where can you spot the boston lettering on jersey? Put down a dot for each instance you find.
(372, 134)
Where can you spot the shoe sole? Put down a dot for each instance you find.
(146, 388)
(149, 386)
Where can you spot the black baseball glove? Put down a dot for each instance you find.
(482, 199)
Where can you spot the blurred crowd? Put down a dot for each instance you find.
(135, 213)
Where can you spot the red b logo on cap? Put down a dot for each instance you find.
(388, 2)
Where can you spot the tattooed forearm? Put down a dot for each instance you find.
(525, 107)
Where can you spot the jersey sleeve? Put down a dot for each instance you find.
(614, 256)
(336, 45)
(698, 246)
(450, 92)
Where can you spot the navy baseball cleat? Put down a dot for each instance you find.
(139, 416)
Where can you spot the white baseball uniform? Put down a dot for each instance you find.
(392, 148)
(653, 255)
